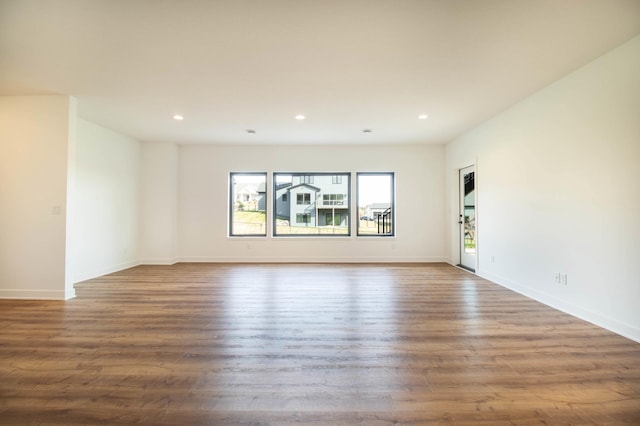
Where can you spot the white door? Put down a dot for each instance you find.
(467, 218)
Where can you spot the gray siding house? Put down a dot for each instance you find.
(314, 200)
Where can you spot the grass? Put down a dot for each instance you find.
(249, 223)
(249, 217)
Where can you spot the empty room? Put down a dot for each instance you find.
(319, 212)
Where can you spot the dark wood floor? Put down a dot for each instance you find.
(309, 344)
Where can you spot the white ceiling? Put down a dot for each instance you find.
(348, 65)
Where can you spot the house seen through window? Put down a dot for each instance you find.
(312, 204)
(248, 204)
(321, 206)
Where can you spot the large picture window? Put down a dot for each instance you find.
(315, 204)
(376, 211)
(248, 204)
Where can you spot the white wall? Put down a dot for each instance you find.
(558, 179)
(36, 141)
(106, 204)
(204, 191)
(159, 203)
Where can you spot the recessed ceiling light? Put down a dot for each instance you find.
(178, 117)
(423, 116)
(300, 117)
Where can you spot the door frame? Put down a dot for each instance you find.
(473, 267)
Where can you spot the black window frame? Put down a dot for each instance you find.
(316, 229)
(230, 228)
(392, 207)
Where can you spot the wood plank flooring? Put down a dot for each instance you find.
(312, 344)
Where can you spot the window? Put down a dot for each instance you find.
(303, 218)
(376, 211)
(248, 204)
(303, 199)
(312, 204)
(319, 204)
(333, 199)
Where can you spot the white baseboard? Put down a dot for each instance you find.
(611, 324)
(87, 275)
(34, 294)
(159, 261)
(315, 259)
(69, 293)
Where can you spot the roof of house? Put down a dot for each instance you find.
(315, 188)
(280, 186)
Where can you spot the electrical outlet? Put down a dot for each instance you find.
(561, 278)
